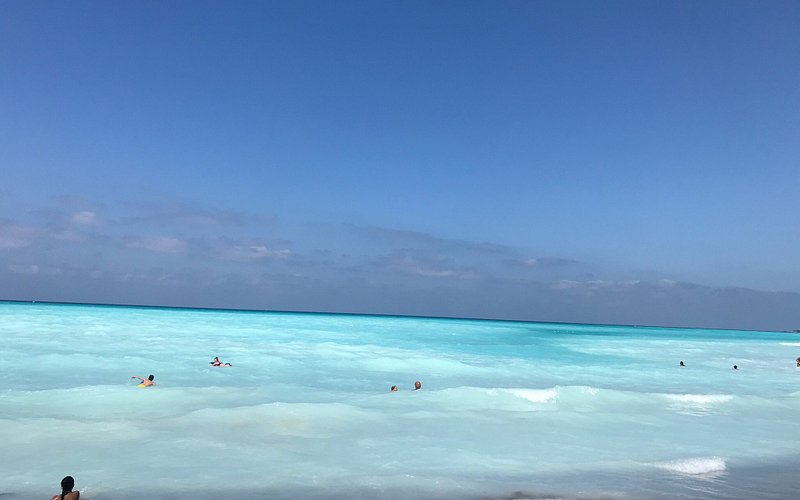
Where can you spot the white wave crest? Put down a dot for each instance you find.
(699, 399)
(791, 344)
(694, 466)
(535, 395)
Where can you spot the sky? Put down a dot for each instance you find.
(599, 162)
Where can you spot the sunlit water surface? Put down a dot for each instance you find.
(507, 408)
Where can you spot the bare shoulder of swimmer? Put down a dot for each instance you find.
(72, 495)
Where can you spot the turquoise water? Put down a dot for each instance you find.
(305, 411)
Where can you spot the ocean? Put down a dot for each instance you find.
(506, 410)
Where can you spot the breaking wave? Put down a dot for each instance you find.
(695, 466)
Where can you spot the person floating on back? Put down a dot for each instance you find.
(681, 364)
(66, 490)
(417, 385)
(217, 362)
(146, 383)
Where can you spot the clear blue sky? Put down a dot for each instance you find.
(634, 162)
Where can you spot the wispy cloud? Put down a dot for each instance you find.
(84, 218)
(171, 214)
(15, 235)
(618, 285)
(244, 253)
(27, 269)
(159, 244)
(541, 262)
(410, 262)
(64, 270)
(416, 239)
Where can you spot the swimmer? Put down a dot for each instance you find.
(66, 490)
(146, 383)
(417, 385)
(217, 362)
(394, 388)
(681, 364)
(735, 367)
(798, 362)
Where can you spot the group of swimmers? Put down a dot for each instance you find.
(736, 367)
(417, 386)
(68, 483)
(149, 381)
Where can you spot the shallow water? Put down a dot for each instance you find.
(507, 408)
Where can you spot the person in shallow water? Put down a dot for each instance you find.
(217, 362)
(66, 490)
(798, 362)
(681, 364)
(417, 385)
(394, 388)
(146, 383)
(735, 367)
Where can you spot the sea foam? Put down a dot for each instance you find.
(699, 399)
(694, 466)
(535, 395)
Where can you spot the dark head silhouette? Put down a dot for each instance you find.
(66, 485)
(151, 377)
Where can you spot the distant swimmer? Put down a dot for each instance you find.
(394, 388)
(735, 367)
(798, 362)
(417, 385)
(217, 362)
(682, 364)
(146, 383)
(66, 490)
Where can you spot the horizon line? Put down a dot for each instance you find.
(386, 315)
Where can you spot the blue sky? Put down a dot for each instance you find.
(624, 162)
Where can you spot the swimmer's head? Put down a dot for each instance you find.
(67, 483)
(417, 385)
(394, 388)
(151, 377)
(682, 364)
(735, 367)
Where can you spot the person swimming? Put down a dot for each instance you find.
(798, 362)
(66, 490)
(217, 362)
(394, 388)
(146, 383)
(735, 367)
(681, 364)
(417, 385)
